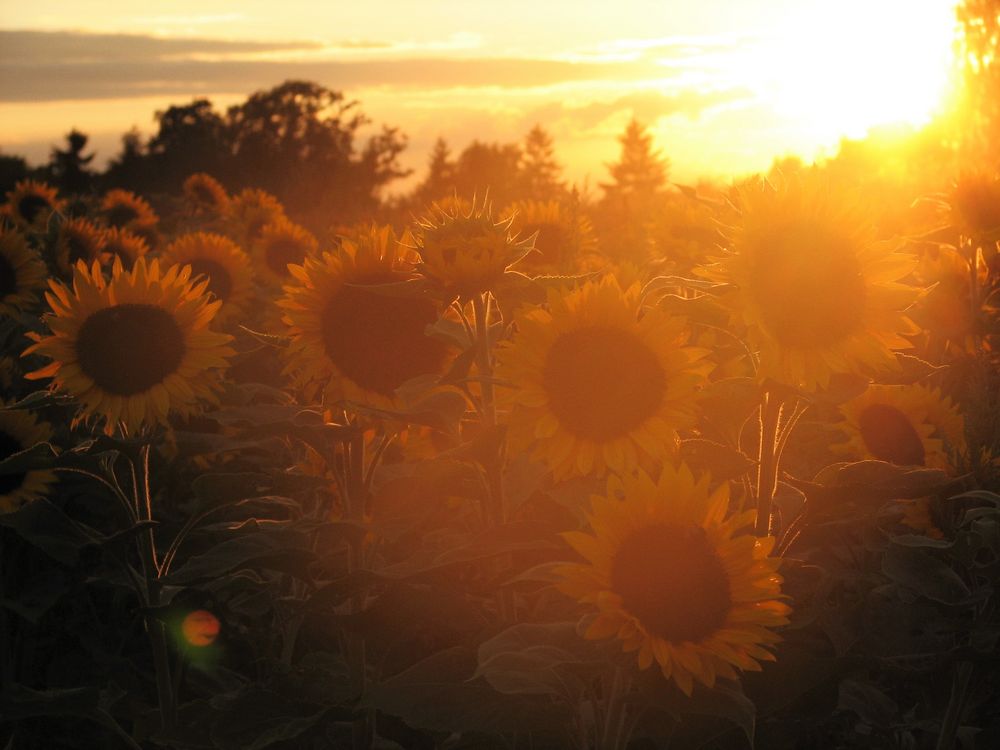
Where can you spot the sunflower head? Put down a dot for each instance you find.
(945, 309)
(79, 239)
(22, 273)
(250, 211)
(133, 349)
(31, 203)
(975, 205)
(125, 245)
(350, 340)
(204, 195)
(817, 294)
(676, 579)
(219, 262)
(601, 383)
(281, 243)
(19, 430)
(562, 235)
(126, 210)
(907, 425)
(467, 251)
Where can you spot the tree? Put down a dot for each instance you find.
(980, 96)
(540, 172)
(640, 172)
(13, 169)
(491, 168)
(130, 168)
(69, 168)
(191, 138)
(440, 179)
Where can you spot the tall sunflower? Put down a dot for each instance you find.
(222, 263)
(562, 235)
(598, 383)
(132, 349)
(467, 251)
(907, 425)
(204, 195)
(19, 430)
(280, 243)
(250, 211)
(353, 342)
(22, 273)
(816, 292)
(30, 204)
(79, 239)
(674, 579)
(125, 245)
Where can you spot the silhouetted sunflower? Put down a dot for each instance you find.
(906, 425)
(354, 342)
(125, 245)
(673, 579)
(79, 239)
(126, 210)
(597, 385)
(22, 274)
(31, 203)
(19, 430)
(562, 236)
(132, 349)
(944, 311)
(204, 195)
(219, 260)
(467, 251)
(817, 293)
(975, 205)
(250, 211)
(281, 243)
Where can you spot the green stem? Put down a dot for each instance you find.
(767, 458)
(956, 706)
(362, 731)
(614, 713)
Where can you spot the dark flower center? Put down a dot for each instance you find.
(890, 436)
(220, 283)
(127, 349)
(671, 579)
(378, 341)
(282, 251)
(121, 214)
(31, 205)
(8, 447)
(602, 382)
(808, 285)
(80, 246)
(8, 277)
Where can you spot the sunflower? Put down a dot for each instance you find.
(204, 195)
(250, 211)
(221, 262)
(562, 235)
(944, 311)
(353, 342)
(280, 243)
(125, 245)
(817, 293)
(79, 239)
(674, 580)
(598, 386)
(31, 203)
(22, 273)
(467, 251)
(906, 425)
(132, 349)
(19, 430)
(126, 210)
(975, 205)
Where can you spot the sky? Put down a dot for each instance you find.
(725, 85)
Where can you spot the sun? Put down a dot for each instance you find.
(840, 69)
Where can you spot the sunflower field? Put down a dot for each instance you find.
(475, 477)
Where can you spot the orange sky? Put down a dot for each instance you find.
(726, 85)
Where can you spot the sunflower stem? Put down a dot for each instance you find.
(767, 460)
(960, 680)
(614, 713)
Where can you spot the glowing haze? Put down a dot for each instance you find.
(726, 85)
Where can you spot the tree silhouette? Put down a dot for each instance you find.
(489, 167)
(68, 168)
(440, 179)
(191, 138)
(640, 172)
(540, 172)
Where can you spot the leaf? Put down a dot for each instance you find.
(867, 701)
(45, 526)
(258, 718)
(33, 458)
(721, 461)
(214, 490)
(925, 574)
(869, 482)
(20, 702)
(38, 594)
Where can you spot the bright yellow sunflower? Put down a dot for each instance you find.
(467, 251)
(20, 430)
(204, 195)
(816, 292)
(79, 239)
(280, 243)
(30, 204)
(132, 349)
(355, 343)
(563, 235)
(126, 210)
(221, 262)
(125, 245)
(906, 425)
(22, 274)
(250, 211)
(674, 579)
(598, 383)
